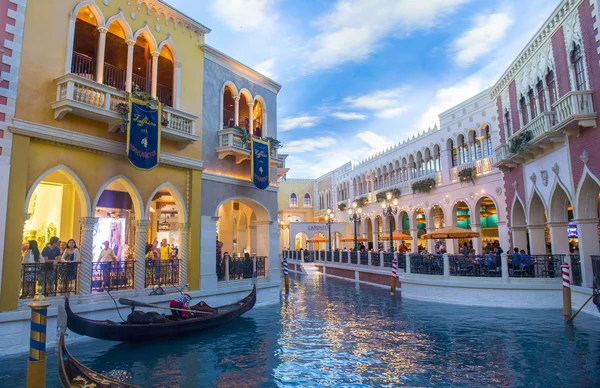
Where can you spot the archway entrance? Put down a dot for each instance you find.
(539, 235)
(436, 221)
(369, 232)
(462, 219)
(587, 214)
(421, 224)
(488, 219)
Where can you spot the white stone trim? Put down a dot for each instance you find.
(239, 68)
(178, 199)
(233, 181)
(112, 147)
(596, 14)
(134, 193)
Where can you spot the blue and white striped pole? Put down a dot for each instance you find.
(36, 366)
(286, 278)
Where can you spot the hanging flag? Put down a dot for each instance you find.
(143, 133)
(261, 163)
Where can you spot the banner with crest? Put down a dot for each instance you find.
(143, 133)
(261, 163)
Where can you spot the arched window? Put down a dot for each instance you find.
(551, 85)
(454, 153)
(487, 140)
(228, 108)
(577, 62)
(257, 117)
(541, 95)
(523, 107)
(508, 123)
(293, 200)
(165, 76)
(532, 107)
(307, 200)
(85, 44)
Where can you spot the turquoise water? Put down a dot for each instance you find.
(333, 333)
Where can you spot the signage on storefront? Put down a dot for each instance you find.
(143, 134)
(261, 163)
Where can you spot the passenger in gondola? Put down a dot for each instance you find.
(181, 302)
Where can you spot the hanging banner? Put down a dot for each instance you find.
(143, 134)
(261, 163)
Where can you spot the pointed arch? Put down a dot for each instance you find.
(170, 45)
(179, 202)
(70, 176)
(537, 212)
(136, 198)
(120, 20)
(145, 31)
(517, 214)
(587, 195)
(93, 9)
(558, 204)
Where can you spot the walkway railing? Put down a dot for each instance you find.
(113, 275)
(427, 264)
(353, 257)
(576, 270)
(49, 279)
(165, 272)
(475, 265)
(596, 269)
(536, 266)
(239, 268)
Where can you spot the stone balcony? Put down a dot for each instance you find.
(83, 97)
(481, 166)
(230, 144)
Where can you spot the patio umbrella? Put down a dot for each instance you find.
(351, 239)
(397, 236)
(450, 232)
(317, 239)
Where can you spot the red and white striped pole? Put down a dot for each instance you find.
(394, 276)
(566, 280)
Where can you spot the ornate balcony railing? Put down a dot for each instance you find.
(113, 275)
(575, 107)
(50, 279)
(481, 167)
(536, 266)
(83, 97)
(231, 144)
(427, 264)
(475, 266)
(163, 272)
(83, 65)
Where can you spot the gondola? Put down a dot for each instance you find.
(128, 332)
(74, 374)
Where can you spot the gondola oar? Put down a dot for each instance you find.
(135, 303)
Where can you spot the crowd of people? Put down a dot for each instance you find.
(240, 267)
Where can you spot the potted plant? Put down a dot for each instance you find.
(342, 206)
(519, 143)
(467, 175)
(362, 201)
(423, 186)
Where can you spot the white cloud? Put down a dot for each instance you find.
(481, 38)
(349, 116)
(352, 30)
(375, 141)
(266, 67)
(305, 121)
(304, 145)
(378, 100)
(392, 112)
(246, 15)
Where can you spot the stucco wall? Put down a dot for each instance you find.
(216, 193)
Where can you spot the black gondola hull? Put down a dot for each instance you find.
(113, 331)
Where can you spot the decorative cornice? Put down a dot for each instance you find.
(171, 13)
(239, 68)
(89, 142)
(543, 34)
(233, 181)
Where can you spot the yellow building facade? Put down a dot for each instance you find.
(69, 175)
(295, 204)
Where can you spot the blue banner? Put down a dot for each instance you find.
(261, 163)
(143, 134)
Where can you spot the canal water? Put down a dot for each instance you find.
(333, 333)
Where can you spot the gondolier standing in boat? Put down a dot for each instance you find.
(181, 302)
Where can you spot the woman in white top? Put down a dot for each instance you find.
(32, 255)
(71, 253)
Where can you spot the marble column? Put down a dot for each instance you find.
(100, 54)
(154, 80)
(253, 238)
(477, 241)
(587, 231)
(537, 240)
(86, 248)
(519, 239)
(208, 253)
(414, 246)
(251, 124)
(129, 74)
(236, 107)
(141, 234)
(559, 238)
(183, 253)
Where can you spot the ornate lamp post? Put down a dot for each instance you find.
(329, 219)
(390, 209)
(354, 214)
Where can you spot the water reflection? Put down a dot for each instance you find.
(328, 334)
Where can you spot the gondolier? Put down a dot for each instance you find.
(181, 302)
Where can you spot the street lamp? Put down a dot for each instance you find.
(390, 209)
(329, 219)
(354, 214)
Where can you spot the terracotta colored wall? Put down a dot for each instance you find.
(341, 273)
(560, 60)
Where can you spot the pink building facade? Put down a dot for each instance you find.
(547, 103)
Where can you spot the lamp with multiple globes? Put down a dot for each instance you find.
(389, 208)
(329, 220)
(354, 214)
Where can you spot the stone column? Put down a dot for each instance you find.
(519, 239)
(407, 258)
(251, 124)
(208, 253)
(559, 237)
(503, 235)
(415, 240)
(100, 54)
(176, 85)
(84, 283)
(537, 240)
(129, 74)
(253, 238)
(375, 241)
(154, 80)
(141, 234)
(446, 259)
(183, 252)
(587, 231)
(236, 110)
(504, 265)
(477, 241)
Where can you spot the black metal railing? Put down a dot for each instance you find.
(261, 266)
(309, 256)
(402, 261)
(114, 76)
(344, 257)
(140, 82)
(596, 269)
(163, 272)
(576, 270)
(475, 265)
(83, 66)
(353, 257)
(164, 94)
(536, 266)
(364, 258)
(388, 258)
(240, 268)
(112, 275)
(49, 279)
(336, 257)
(328, 255)
(375, 259)
(427, 264)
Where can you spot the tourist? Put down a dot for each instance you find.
(71, 252)
(165, 250)
(489, 259)
(51, 251)
(31, 272)
(181, 302)
(525, 264)
(106, 257)
(175, 252)
(402, 248)
(516, 259)
(70, 256)
(32, 254)
(63, 247)
(465, 249)
(220, 264)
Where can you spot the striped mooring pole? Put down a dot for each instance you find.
(36, 366)
(286, 278)
(566, 280)
(394, 276)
